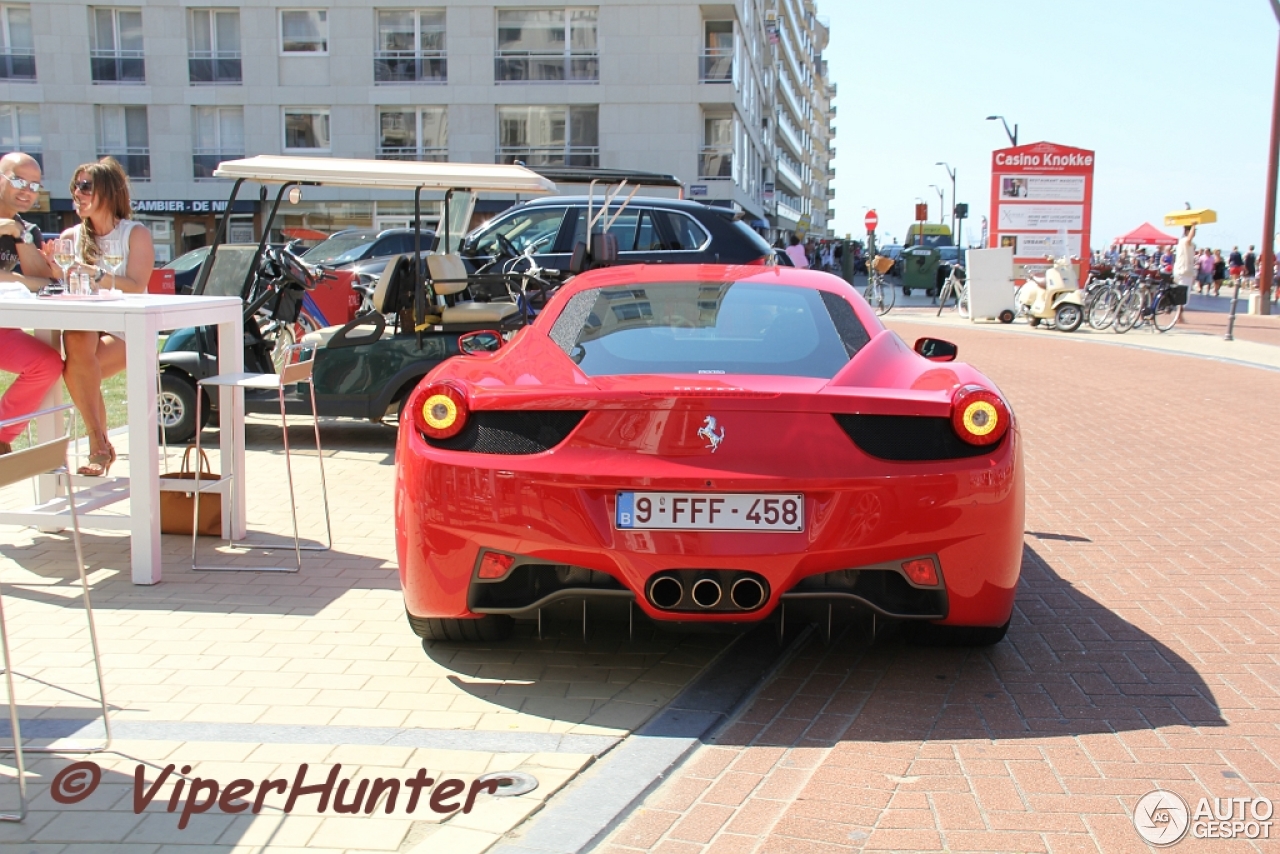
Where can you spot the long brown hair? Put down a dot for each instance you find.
(111, 185)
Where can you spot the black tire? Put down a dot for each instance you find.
(1102, 308)
(1068, 317)
(1006, 316)
(906, 292)
(1166, 314)
(1128, 313)
(488, 629)
(1033, 321)
(930, 634)
(177, 408)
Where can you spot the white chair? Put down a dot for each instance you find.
(291, 374)
(46, 458)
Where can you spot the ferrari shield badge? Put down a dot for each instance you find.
(708, 431)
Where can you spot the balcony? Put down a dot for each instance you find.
(18, 64)
(135, 160)
(715, 161)
(717, 65)
(789, 172)
(407, 66)
(208, 67)
(559, 155)
(791, 135)
(433, 155)
(523, 66)
(205, 160)
(117, 66)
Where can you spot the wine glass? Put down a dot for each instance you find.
(64, 255)
(111, 256)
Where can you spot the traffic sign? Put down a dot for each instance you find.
(871, 220)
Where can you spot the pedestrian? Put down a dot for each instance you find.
(1204, 275)
(1235, 263)
(1251, 265)
(1184, 264)
(795, 251)
(37, 365)
(1219, 271)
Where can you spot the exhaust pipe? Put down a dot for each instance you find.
(706, 593)
(747, 593)
(665, 592)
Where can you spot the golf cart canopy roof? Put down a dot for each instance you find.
(584, 175)
(386, 174)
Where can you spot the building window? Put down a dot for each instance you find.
(20, 130)
(549, 136)
(213, 38)
(717, 52)
(219, 136)
(306, 129)
(17, 47)
(405, 133)
(540, 45)
(717, 147)
(410, 47)
(122, 133)
(304, 31)
(115, 45)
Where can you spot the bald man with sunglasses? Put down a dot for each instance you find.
(37, 365)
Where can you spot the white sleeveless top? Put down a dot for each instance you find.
(120, 232)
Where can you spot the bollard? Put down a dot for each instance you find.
(1231, 320)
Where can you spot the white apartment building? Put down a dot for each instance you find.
(732, 98)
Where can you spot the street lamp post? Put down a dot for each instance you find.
(1012, 134)
(952, 173)
(942, 202)
(1267, 262)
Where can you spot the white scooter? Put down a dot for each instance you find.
(1054, 300)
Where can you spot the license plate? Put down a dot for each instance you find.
(700, 511)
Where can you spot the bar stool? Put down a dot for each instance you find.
(289, 375)
(46, 458)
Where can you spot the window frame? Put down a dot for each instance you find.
(567, 56)
(129, 152)
(220, 151)
(12, 112)
(327, 112)
(8, 53)
(324, 37)
(216, 56)
(420, 153)
(421, 57)
(569, 154)
(115, 53)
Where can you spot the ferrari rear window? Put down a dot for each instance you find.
(708, 328)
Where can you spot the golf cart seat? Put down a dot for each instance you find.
(385, 298)
(448, 277)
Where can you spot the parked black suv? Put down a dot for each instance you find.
(648, 231)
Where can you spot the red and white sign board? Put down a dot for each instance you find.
(1042, 204)
(871, 220)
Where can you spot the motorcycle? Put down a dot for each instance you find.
(1054, 300)
(273, 309)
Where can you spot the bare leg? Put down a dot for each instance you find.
(90, 357)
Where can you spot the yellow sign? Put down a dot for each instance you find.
(1199, 216)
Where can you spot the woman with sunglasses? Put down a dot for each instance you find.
(100, 192)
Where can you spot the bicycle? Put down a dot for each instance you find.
(1151, 298)
(958, 287)
(877, 294)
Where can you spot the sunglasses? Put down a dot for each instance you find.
(85, 187)
(23, 184)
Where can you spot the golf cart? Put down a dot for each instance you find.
(366, 367)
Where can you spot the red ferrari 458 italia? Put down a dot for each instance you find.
(711, 443)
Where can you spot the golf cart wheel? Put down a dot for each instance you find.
(1006, 316)
(491, 627)
(177, 405)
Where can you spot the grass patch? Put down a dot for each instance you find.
(113, 392)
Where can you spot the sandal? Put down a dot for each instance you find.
(99, 463)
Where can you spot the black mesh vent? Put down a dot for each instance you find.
(909, 437)
(852, 333)
(512, 432)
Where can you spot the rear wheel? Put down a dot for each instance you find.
(1102, 309)
(1068, 317)
(879, 297)
(1006, 316)
(1128, 313)
(489, 628)
(1166, 313)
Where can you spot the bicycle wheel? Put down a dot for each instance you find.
(1166, 313)
(962, 305)
(1128, 313)
(1102, 309)
(879, 297)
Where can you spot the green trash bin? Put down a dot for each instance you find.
(920, 269)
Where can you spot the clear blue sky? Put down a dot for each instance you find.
(1174, 96)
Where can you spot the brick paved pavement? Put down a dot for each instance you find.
(1143, 650)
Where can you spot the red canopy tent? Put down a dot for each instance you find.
(1146, 235)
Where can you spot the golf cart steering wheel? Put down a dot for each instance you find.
(507, 247)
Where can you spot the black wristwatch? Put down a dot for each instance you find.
(98, 273)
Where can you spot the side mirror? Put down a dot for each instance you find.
(936, 350)
(480, 341)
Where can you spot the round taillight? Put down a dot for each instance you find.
(441, 411)
(978, 416)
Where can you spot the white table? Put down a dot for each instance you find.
(140, 318)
